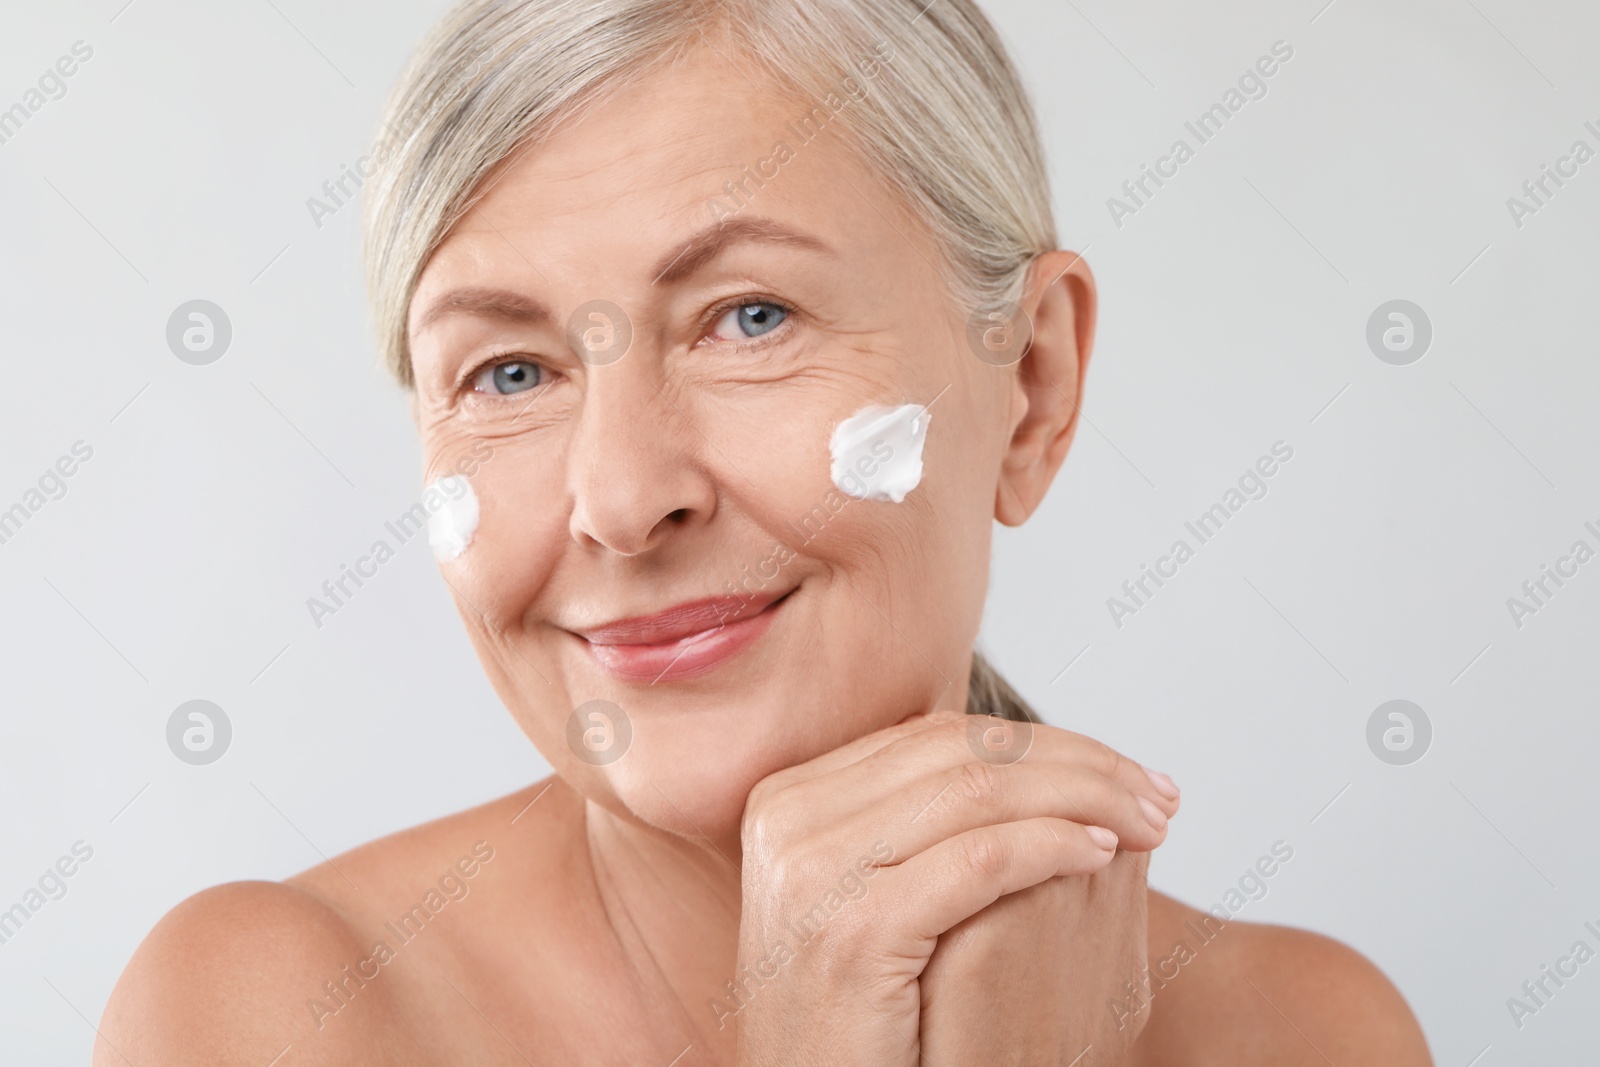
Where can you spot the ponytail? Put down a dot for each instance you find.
(990, 694)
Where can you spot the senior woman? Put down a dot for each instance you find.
(733, 327)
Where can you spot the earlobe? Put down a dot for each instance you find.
(1059, 300)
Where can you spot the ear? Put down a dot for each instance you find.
(1058, 300)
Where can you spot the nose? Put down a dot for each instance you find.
(634, 465)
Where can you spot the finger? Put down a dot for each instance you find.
(949, 801)
(1044, 742)
(860, 748)
(1139, 861)
(1052, 744)
(945, 741)
(962, 875)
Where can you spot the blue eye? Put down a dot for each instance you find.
(513, 376)
(750, 320)
(757, 319)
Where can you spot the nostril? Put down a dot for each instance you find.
(679, 517)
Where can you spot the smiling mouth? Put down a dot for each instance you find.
(684, 641)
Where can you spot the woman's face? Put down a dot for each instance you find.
(696, 465)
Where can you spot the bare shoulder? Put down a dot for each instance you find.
(383, 878)
(1241, 993)
(223, 978)
(244, 971)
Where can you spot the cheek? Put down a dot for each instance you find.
(448, 496)
(876, 454)
(879, 492)
(452, 516)
(915, 531)
(498, 536)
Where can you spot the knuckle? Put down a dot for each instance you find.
(977, 781)
(791, 871)
(784, 872)
(984, 855)
(1106, 760)
(767, 820)
(1108, 795)
(758, 796)
(750, 821)
(949, 726)
(776, 784)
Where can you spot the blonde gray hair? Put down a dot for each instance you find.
(935, 108)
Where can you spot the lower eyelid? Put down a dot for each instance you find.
(525, 410)
(750, 343)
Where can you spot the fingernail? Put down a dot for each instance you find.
(1102, 837)
(1163, 784)
(1153, 814)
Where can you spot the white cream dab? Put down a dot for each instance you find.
(877, 452)
(452, 516)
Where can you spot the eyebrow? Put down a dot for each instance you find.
(690, 256)
(710, 242)
(486, 303)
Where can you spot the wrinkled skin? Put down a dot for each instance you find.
(623, 896)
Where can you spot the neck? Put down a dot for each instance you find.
(636, 855)
(674, 907)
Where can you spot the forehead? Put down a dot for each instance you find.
(666, 155)
(675, 129)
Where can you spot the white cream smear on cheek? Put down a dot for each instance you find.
(877, 452)
(452, 516)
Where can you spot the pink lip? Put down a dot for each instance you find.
(681, 642)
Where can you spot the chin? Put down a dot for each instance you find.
(690, 771)
(702, 739)
(698, 750)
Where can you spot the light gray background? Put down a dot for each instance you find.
(1419, 497)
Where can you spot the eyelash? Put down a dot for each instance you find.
(707, 321)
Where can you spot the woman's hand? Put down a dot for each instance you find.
(1043, 975)
(856, 862)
